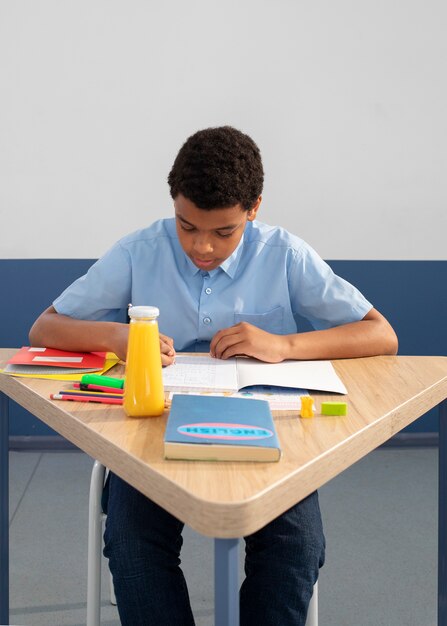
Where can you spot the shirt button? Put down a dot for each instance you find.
(207, 320)
(208, 290)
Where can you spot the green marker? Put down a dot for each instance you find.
(334, 408)
(106, 381)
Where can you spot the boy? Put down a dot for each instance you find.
(228, 284)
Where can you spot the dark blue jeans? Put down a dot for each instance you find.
(143, 542)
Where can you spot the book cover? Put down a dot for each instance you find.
(34, 357)
(101, 363)
(214, 428)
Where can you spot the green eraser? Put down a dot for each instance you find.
(107, 381)
(334, 408)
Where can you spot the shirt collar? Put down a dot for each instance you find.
(229, 266)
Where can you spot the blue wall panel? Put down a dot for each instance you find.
(413, 297)
(411, 294)
(27, 288)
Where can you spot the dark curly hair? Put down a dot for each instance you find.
(217, 168)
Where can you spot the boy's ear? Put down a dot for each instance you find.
(251, 214)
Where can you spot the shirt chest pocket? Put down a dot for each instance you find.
(272, 321)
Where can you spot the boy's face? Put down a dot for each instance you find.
(210, 237)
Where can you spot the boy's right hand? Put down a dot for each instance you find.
(54, 330)
(167, 350)
(121, 339)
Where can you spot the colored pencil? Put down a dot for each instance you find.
(99, 399)
(79, 392)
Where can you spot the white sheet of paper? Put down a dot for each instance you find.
(57, 359)
(315, 375)
(287, 400)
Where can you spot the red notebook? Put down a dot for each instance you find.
(49, 357)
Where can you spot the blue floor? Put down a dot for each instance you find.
(380, 521)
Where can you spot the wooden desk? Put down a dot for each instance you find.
(231, 500)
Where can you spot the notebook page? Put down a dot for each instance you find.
(316, 375)
(200, 373)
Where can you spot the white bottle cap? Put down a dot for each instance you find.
(143, 312)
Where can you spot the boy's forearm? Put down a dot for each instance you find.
(369, 337)
(53, 330)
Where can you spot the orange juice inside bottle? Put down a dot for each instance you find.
(143, 388)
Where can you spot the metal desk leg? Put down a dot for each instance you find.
(4, 509)
(442, 516)
(226, 584)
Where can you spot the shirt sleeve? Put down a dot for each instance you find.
(103, 292)
(319, 295)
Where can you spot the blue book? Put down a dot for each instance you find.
(218, 428)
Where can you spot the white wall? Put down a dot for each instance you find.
(347, 101)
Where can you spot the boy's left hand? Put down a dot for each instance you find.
(244, 339)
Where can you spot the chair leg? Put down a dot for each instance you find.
(112, 591)
(312, 613)
(94, 545)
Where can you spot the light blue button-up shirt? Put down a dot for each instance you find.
(270, 280)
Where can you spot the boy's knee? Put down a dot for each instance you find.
(137, 528)
(296, 535)
(135, 553)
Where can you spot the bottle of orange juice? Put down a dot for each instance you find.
(143, 389)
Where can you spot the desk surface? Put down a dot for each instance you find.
(218, 499)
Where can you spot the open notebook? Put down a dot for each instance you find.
(204, 373)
